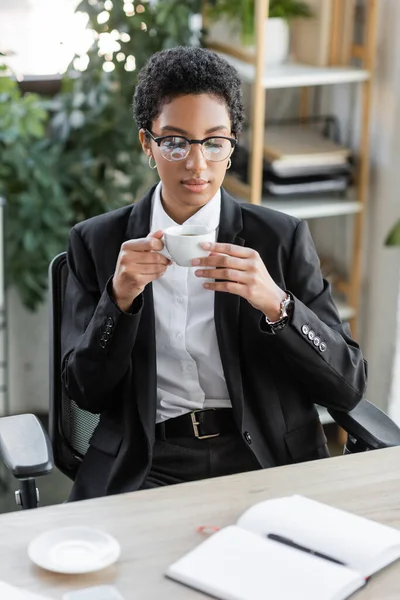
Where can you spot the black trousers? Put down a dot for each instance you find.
(178, 460)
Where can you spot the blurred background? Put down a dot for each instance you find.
(321, 81)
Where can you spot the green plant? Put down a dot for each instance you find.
(103, 164)
(243, 11)
(393, 237)
(37, 211)
(289, 9)
(78, 155)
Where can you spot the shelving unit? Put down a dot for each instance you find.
(293, 75)
(251, 69)
(307, 207)
(315, 208)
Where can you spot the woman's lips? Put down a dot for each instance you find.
(195, 185)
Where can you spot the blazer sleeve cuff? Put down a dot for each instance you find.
(303, 323)
(111, 329)
(323, 352)
(136, 306)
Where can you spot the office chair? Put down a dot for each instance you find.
(28, 453)
(70, 427)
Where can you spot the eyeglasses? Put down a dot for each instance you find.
(176, 147)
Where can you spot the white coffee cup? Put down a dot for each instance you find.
(183, 242)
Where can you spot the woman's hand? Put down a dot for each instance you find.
(139, 263)
(243, 273)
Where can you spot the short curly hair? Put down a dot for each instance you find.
(186, 70)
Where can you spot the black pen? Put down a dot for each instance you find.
(292, 544)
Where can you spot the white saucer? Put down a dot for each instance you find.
(74, 550)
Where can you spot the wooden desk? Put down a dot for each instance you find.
(156, 527)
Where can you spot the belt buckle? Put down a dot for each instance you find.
(196, 428)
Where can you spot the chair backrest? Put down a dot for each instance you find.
(70, 427)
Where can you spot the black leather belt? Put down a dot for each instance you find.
(202, 424)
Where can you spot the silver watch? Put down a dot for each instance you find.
(284, 306)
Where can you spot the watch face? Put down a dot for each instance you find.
(285, 306)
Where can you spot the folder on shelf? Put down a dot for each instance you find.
(281, 169)
(302, 145)
(310, 184)
(291, 547)
(301, 156)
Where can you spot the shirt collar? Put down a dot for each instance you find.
(208, 215)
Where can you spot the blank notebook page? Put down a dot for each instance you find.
(235, 564)
(364, 545)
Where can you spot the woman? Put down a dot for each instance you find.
(210, 370)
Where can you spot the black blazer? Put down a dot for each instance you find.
(109, 357)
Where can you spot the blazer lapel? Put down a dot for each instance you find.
(226, 308)
(146, 387)
(139, 220)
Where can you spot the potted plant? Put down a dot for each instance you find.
(232, 21)
(393, 237)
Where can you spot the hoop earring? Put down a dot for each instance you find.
(150, 165)
(228, 166)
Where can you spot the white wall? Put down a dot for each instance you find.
(28, 335)
(394, 401)
(382, 265)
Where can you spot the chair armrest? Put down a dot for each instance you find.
(25, 447)
(369, 425)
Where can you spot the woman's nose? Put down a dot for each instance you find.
(196, 161)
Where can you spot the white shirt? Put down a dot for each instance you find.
(189, 368)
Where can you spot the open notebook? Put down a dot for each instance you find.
(241, 562)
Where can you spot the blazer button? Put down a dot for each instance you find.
(316, 341)
(247, 437)
(110, 321)
(322, 346)
(305, 329)
(311, 335)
